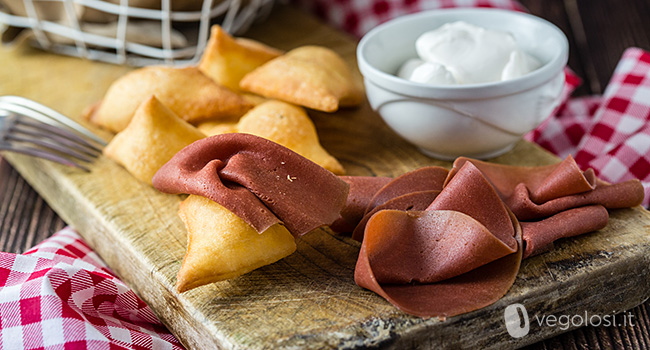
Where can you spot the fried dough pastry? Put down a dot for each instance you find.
(282, 123)
(151, 139)
(186, 91)
(362, 189)
(222, 246)
(533, 193)
(260, 181)
(312, 76)
(291, 127)
(253, 99)
(460, 254)
(227, 60)
(555, 201)
(212, 127)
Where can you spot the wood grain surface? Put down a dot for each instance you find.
(309, 299)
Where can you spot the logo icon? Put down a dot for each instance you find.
(517, 322)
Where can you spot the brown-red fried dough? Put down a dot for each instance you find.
(555, 201)
(611, 196)
(540, 235)
(470, 192)
(416, 201)
(430, 178)
(362, 189)
(461, 254)
(369, 192)
(260, 181)
(538, 192)
(468, 292)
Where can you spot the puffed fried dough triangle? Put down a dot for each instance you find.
(222, 246)
(312, 76)
(227, 60)
(152, 138)
(290, 126)
(213, 127)
(283, 123)
(186, 91)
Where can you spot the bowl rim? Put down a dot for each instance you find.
(405, 87)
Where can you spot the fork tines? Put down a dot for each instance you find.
(30, 128)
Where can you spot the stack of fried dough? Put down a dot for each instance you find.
(239, 86)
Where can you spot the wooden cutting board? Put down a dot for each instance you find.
(309, 299)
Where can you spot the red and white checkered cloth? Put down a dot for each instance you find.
(610, 134)
(359, 16)
(60, 295)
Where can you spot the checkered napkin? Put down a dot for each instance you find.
(359, 16)
(609, 133)
(61, 295)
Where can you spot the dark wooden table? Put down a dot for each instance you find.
(598, 30)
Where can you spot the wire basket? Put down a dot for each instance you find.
(136, 34)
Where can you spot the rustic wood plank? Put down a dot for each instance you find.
(308, 299)
(312, 279)
(555, 12)
(25, 218)
(598, 33)
(610, 27)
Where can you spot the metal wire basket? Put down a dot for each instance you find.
(132, 32)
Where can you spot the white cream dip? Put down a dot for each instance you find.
(462, 53)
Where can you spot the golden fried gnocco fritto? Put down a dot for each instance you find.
(290, 126)
(222, 246)
(227, 60)
(285, 124)
(186, 91)
(311, 76)
(218, 127)
(154, 135)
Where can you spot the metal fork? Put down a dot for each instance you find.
(30, 128)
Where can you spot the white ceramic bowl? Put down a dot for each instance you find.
(477, 120)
